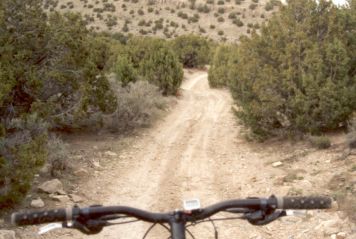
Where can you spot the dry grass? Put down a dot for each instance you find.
(139, 104)
(111, 15)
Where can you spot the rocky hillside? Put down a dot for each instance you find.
(224, 20)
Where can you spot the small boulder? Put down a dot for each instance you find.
(341, 235)
(96, 164)
(60, 198)
(110, 153)
(75, 198)
(329, 227)
(51, 186)
(277, 164)
(81, 172)
(37, 203)
(7, 234)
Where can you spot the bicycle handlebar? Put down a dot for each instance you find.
(316, 202)
(96, 212)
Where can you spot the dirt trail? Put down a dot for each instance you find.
(196, 151)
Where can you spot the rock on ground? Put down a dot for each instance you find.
(51, 186)
(7, 234)
(60, 198)
(75, 198)
(37, 203)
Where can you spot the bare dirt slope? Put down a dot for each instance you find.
(198, 151)
(170, 18)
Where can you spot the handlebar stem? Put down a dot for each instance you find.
(177, 224)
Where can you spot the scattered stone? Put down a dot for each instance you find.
(329, 227)
(60, 198)
(37, 203)
(77, 157)
(61, 192)
(7, 234)
(75, 198)
(277, 164)
(341, 235)
(51, 186)
(45, 169)
(81, 172)
(95, 147)
(110, 153)
(305, 184)
(96, 164)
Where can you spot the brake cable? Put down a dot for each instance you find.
(215, 229)
(152, 226)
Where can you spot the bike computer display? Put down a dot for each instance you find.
(191, 204)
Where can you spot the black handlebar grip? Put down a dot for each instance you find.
(317, 202)
(39, 217)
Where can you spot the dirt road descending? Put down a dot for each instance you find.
(197, 151)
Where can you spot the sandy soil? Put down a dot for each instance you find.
(198, 151)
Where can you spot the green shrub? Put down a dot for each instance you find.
(162, 68)
(139, 104)
(252, 6)
(203, 8)
(232, 15)
(141, 23)
(194, 18)
(238, 22)
(140, 12)
(202, 30)
(158, 24)
(192, 50)
(125, 28)
(221, 10)
(57, 158)
(152, 60)
(351, 135)
(268, 7)
(124, 70)
(52, 75)
(320, 142)
(305, 83)
(192, 4)
(218, 71)
(22, 152)
(221, 19)
(182, 15)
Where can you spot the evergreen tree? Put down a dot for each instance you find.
(192, 50)
(298, 74)
(219, 70)
(51, 75)
(150, 59)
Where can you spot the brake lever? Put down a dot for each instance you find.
(260, 218)
(88, 227)
(49, 227)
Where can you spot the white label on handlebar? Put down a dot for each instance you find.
(191, 204)
(49, 227)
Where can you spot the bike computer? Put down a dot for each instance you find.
(191, 204)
